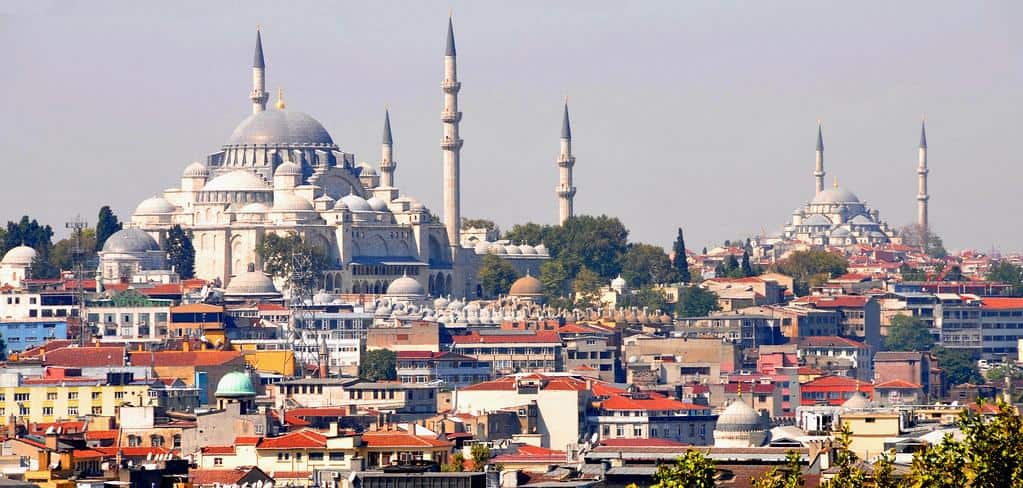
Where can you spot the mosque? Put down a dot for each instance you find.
(281, 172)
(837, 217)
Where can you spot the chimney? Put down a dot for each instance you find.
(322, 367)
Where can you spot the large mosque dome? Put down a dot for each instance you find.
(835, 195)
(280, 127)
(130, 241)
(20, 255)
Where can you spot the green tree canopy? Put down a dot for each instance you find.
(379, 365)
(959, 366)
(681, 262)
(30, 233)
(908, 333)
(481, 455)
(912, 274)
(496, 275)
(106, 225)
(301, 264)
(63, 254)
(180, 252)
(530, 233)
(811, 268)
(649, 297)
(791, 476)
(587, 286)
(554, 278)
(645, 264)
(479, 224)
(694, 301)
(1003, 271)
(691, 470)
(596, 243)
(915, 236)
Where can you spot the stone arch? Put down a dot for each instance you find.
(328, 281)
(238, 264)
(447, 285)
(430, 288)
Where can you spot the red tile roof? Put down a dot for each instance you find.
(136, 452)
(271, 307)
(222, 477)
(247, 440)
(379, 439)
(897, 384)
(184, 358)
(47, 347)
(1001, 303)
(317, 412)
(765, 388)
(70, 427)
(537, 338)
(290, 418)
(836, 301)
(301, 439)
(290, 475)
(86, 454)
(526, 453)
(653, 403)
(100, 435)
(85, 357)
(831, 341)
(225, 450)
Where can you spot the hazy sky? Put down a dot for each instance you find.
(699, 114)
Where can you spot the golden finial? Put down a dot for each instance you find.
(739, 389)
(259, 27)
(451, 12)
(836, 182)
(280, 99)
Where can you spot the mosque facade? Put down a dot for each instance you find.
(281, 172)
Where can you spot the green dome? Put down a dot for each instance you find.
(235, 384)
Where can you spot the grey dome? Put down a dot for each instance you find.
(857, 401)
(287, 202)
(861, 220)
(840, 232)
(196, 170)
(738, 417)
(356, 203)
(818, 220)
(130, 241)
(288, 168)
(251, 283)
(255, 208)
(377, 204)
(406, 287)
(20, 255)
(835, 195)
(282, 127)
(240, 180)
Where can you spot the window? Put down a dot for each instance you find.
(177, 441)
(97, 410)
(22, 410)
(637, 432)
(47, 411)
(96, 395)
(217, 461)
(72, 411)
(316, 456)
(156, 440)
(337, 456)
(134, 441)
(51, 395)
(620, 431)
(72, 395)
(118, 395)
(20, 397)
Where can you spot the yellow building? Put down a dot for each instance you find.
(62, 393)
(870, 430)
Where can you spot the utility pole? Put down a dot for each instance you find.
(77, 225)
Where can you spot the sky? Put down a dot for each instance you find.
(699, 114)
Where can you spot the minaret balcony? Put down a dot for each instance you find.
(449, 117)
(450, 144)
(568, 162)
(451, 86)
(566, 192)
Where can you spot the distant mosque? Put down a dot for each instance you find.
(837, 217)
(281, 172)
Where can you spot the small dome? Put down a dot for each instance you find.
(738, 417)
(405, 287)
(155, 206)
(240, 180)
(858, 401)
(251, 283)
(235, 384)
(287, 202)
(527, 249)
(324, 198)
(862, 220)
(341, 205)
(541, 249)
(418, 207)
(367, 170)
(130, 241)
(323, 298)
(288, 168)
(618, 282)
(526, 286)
(817, 220)
(482, 247)
(377, 204)
(840, 232)
(498, 249)
(20, 256)
(510, 249)
(196, 170)
(440, 303)
(255, 208)
(284, 127)
(835, 195)
(356, 203)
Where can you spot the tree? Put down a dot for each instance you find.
(731, 267)
(180, 253)
(496, 275)
(645, 264)
(553, 277)
(747, 269)
(789, 477)
(811, 268)
(681, 262)
(42, 269)
(106, 225)
(955, 273)
(1005, 272)
(456, 465)
(480, 454)
(647, 297)
(691, 470)
(378, 365)
(29, 233)
(848, 475)
(694, 301)
(908, 333)
(915, 236)
(479, 224)
(883, 472)
(529, 233)
(959, 366)
(584, 241)
(912, 274)
(940, 466)
(289, 257)
(1002, 371)
(587, 286)
(62, 256)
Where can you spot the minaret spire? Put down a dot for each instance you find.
(451, 143)
(565, 191)
(818, 172)
(258, 95)
(921, 186)
(387, 163)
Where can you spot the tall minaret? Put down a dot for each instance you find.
(818, 172)
(387, 163)
(921, 182)
(451, 144)
(565, 163)
(259, 95)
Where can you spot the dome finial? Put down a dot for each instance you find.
(836, 182)
(280, 99)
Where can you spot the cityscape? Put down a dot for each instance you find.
(285, 312)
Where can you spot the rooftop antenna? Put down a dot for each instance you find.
(77, 225)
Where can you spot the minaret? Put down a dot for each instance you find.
(451, 144)
(387, 163)
(921, 184)
(259, 95)
(565, 163)
(818, 172)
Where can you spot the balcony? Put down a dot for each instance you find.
(450, 86)
(450, 144)
(449, 117)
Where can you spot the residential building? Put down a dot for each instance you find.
(512, 352)
(838, 354)
(200, 369)
(641, 415)
(129, 317)
(311, 392)
(197, 320)
(409, 336)
(590, 346)
(833, 390)
(396, 397)
(26, 333)
(859, 315)
(62, 393)
(796, 321)
(454, 370)
(746, 330)
(919, 368)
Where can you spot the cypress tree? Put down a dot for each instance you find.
(106, 225)
(681, 263)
